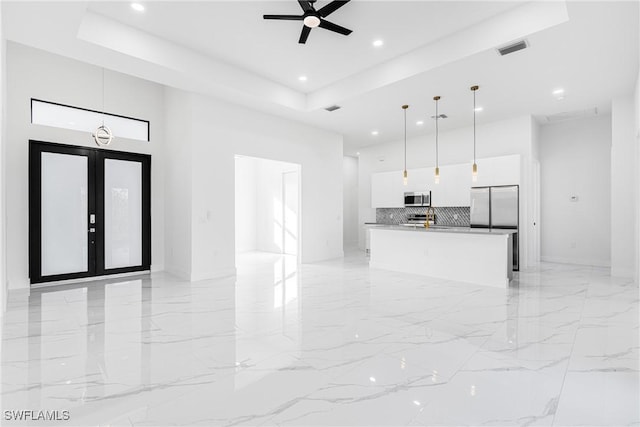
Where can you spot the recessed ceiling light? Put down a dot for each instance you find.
(478, 109)
(137, 7)
(302, 78)
(374, 132)
(357, 154)
(378, 43)
(558, 94)
(419, 122)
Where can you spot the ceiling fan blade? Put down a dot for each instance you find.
(332, 7)
(306, 6)
(304, 35)
(284, 17)
(335, 28)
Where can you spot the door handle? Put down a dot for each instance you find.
(92, 230)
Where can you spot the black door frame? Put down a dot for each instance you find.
(95, 182)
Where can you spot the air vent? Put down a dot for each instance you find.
(513, 47)
(570, 115)
(441, 116)
(333, 108)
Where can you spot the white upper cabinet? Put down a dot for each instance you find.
(503, 170)
(418, 180)
(453, 189)
(387, 190)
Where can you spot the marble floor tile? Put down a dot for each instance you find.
(326, 344)
(599, 398)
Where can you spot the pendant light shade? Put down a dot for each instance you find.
(474, 169)
(405, 175)
(437, 174)
(103, 135)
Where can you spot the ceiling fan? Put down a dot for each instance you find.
(315, 18)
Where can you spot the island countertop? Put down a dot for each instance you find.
(440, 229)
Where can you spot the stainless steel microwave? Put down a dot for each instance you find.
(417, 199)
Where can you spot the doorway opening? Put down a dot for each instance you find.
(268, 242)
(267, 207)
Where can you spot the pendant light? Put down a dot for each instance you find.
(437, 174)
(474, 169)
(405, 175)
(103, 135)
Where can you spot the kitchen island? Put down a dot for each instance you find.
(474, 255)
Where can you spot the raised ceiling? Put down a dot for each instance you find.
(225, 49)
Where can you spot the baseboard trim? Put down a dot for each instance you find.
(626, 273)
(562, 260)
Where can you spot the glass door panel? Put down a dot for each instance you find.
(89, 212)
(122, 213)
(64, 206)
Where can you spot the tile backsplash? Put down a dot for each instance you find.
(451, 216)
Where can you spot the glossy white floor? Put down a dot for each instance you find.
(328, 344)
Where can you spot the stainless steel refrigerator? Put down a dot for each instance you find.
(497, 207)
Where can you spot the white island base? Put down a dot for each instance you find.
(482, 257)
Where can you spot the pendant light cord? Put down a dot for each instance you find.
(437, 130)
(474, 89)
(405, 138)
(103, 92)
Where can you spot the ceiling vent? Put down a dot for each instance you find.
(441, 116)
(513, 47)
(570, 115)
(333, 108)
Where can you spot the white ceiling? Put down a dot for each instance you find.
(226, 49)
(234, 32)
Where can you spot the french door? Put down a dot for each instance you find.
(89, 212)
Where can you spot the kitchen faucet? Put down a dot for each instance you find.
(431, 216)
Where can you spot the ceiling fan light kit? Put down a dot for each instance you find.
(312, 18)
(311, 21)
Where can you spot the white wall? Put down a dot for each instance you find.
(350, 200)
(535, 211)
(42, 75)
(637, 129)
(505, 137)
(219, 132)
(269, 200)
(245, 203)
(623, 187)
(575, 161)
(178, 182)
(637, 115)
(3, 91)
